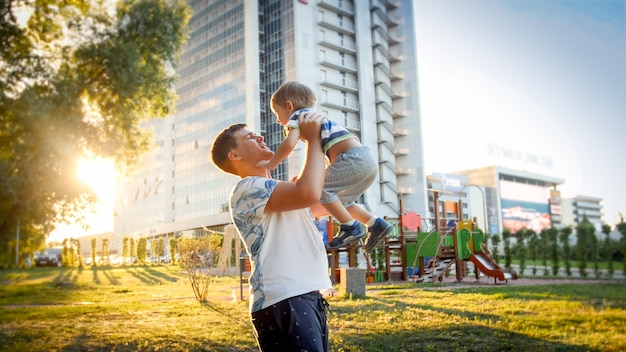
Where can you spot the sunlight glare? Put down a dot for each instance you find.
(100, 175)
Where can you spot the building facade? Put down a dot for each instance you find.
(577, 208)
(360, 58)
(515, 199)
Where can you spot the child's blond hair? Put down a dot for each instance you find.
(300, 95)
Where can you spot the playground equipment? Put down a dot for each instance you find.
(452, 242)
(455, 244)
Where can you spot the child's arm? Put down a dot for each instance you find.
(283, 150)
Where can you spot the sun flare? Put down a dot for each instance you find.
(100, 175)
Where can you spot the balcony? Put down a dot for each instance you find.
(339, 102)
(399, 113)
(344, 26)
(341, 84)
(397, 94)
(378, 22)
(377, 5)
(392, 4)
(341, 7)
(344, 45)
(353, 125)
(340, 64)
(404, 171)
(393, 38)
(398, 132)
(401, 151)
(393, 57)
(394, 76)
(393, 21)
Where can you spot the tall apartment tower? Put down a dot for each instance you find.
(360, 58)
(580, 207)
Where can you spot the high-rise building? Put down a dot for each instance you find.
(360, 58)
(576, 209)
(516, 199)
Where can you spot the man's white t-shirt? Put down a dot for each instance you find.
(287, 255)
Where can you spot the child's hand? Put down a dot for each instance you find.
(264, 163)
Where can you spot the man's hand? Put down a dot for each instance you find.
(310, 124)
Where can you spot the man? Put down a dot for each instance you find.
(288, 259)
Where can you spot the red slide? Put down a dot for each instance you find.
(485, 264)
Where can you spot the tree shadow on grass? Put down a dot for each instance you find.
(161, 275)
(462, 337)
(455, 337)
(85, 342)
(569, 292)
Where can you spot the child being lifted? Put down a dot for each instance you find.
(352, 167)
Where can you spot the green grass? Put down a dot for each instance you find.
(153, 308)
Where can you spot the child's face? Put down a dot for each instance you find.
(282, 112)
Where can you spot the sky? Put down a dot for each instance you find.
(545, 79)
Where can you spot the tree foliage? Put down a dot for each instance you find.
(78, 79)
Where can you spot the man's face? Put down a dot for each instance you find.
(282, 112)
(251, 147)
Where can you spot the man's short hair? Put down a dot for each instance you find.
(222, 145)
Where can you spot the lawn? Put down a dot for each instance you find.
(144, 308)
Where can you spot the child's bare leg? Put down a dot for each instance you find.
(339, 212)
(359, 213)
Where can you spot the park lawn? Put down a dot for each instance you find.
(153, 308)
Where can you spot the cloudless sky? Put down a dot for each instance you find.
(540, 77)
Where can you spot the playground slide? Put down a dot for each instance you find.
(486, 265)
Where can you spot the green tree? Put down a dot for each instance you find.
(621, 227)
(77, 82)
(508, 255)
(125, 249)
(533, 249)
(553, 245)
(94, 251)
(133, 250)
(495, 244)
(608, 250)
(173, 250)
(142, 250)
(584, 246)
(564, 234)
(521, 249)
(545, 244)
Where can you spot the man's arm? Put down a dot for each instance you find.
(283, 150)
(308, 189)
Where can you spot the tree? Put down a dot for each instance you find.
(621, 227)
(78, 82)
(142, 250)
(608, 250)
(508, 255)
(553, 236)
(495, 244)
(545, 243)
(564, 238)
(584, 244)
(104, 256)
(94, 251)
(521, 249)
(533, 249)
(173, 249)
